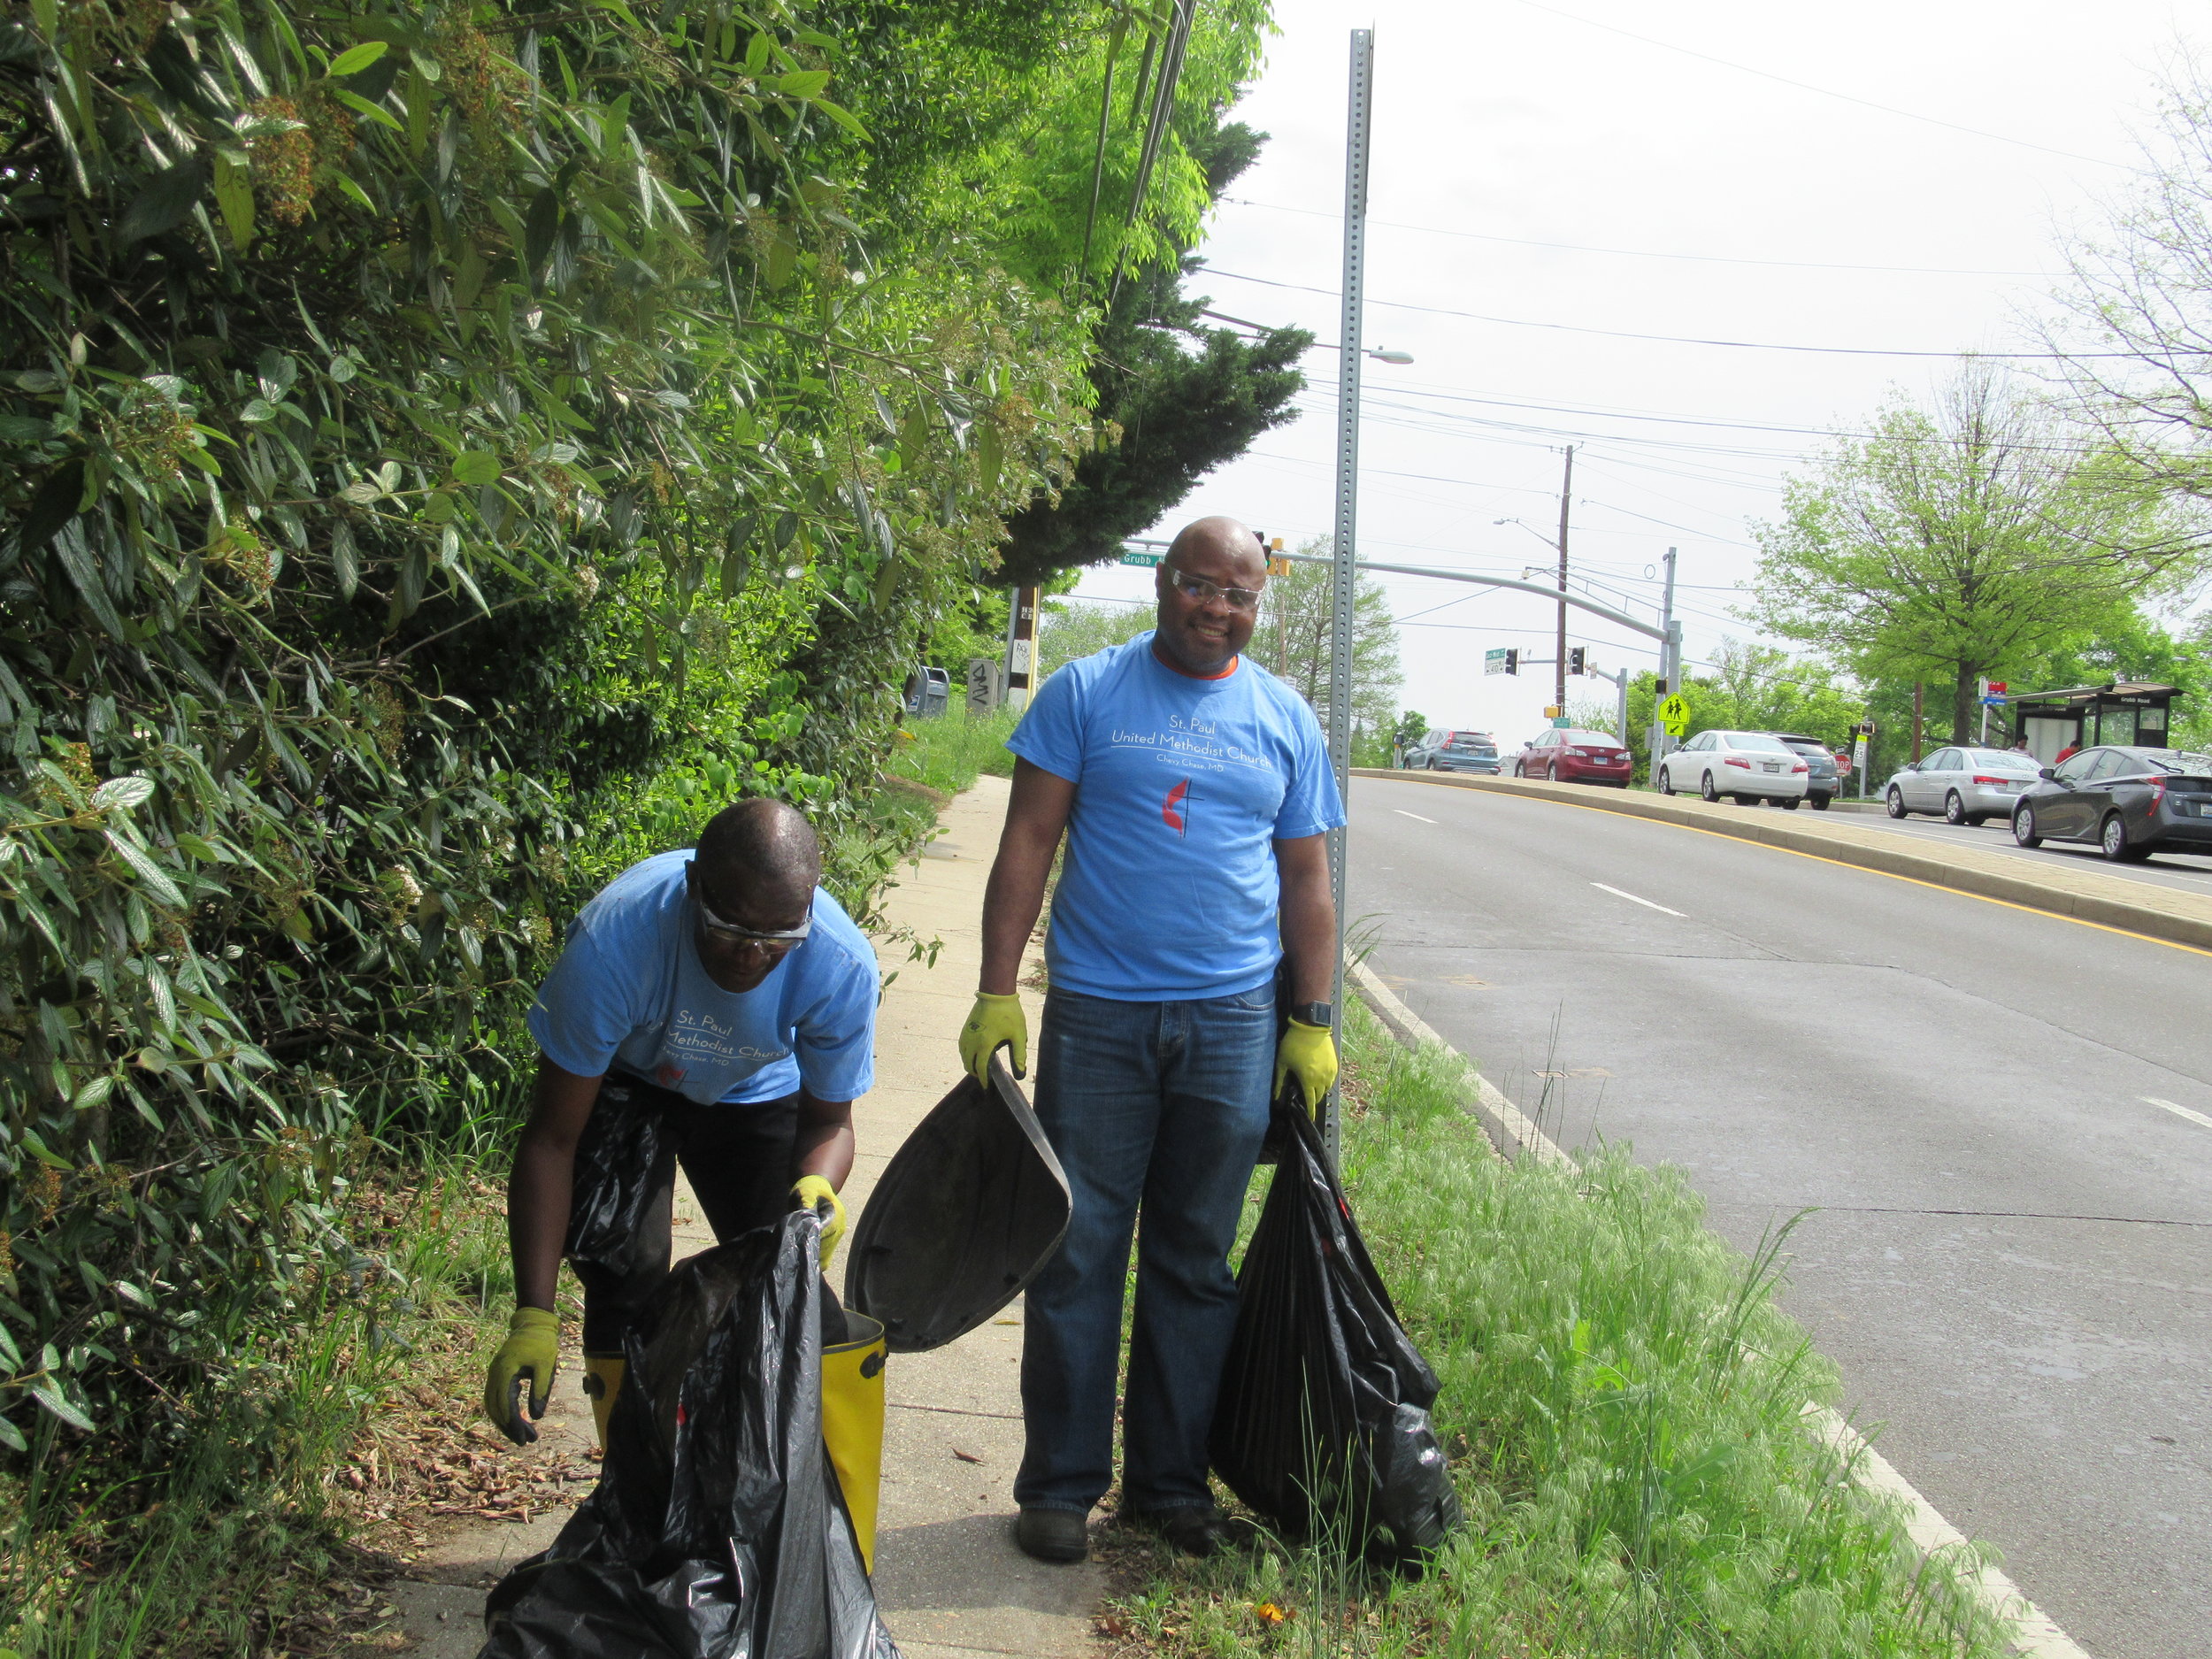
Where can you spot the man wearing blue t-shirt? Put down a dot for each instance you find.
(722, 990)
(1195, 793)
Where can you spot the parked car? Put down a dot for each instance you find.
(1745, 766)
(1454, 751)
(1567, 755)
(1968, 786)
(2132, 803)
(1824, 782)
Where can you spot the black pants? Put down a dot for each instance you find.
(738, 1160)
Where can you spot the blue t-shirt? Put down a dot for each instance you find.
(1169, 889)
(629, 993)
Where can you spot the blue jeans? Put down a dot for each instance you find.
(1162, 1103)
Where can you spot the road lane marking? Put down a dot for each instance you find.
(2179, 1111)
(1845, 863)
(1633, 899)
(1402, 812)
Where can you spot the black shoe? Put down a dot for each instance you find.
(1061, 1535)
(1199, 1529)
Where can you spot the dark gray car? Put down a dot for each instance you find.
(2132, 803)
(1823, 785)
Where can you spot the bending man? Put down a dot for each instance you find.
(722, 990)
(1194, 790)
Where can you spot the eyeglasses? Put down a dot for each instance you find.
(776, 940)
(1200, 591)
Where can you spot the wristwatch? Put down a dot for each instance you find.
(1312, 1013)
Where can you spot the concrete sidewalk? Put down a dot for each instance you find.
(948, 1578)
(2090, 896)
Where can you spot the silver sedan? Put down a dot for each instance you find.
(1965, 785)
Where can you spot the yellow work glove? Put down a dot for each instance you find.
(532, 1350)
(1308, 1053)
(994, 1023)
(806, 1193)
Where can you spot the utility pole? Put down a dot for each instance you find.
(1358, 108)
(1559, 674)
(1917, 688)
(1655, 739)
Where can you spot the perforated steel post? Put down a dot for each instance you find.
(1358, 107)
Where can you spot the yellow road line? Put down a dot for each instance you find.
(1845, 863)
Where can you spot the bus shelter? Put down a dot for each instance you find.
(2125, 712)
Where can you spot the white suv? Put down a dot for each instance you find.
(1746, 766)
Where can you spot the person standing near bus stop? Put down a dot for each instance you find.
(1195, 793)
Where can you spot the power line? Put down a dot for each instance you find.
(1678, 340)
(1648, 253)
(1827, 92)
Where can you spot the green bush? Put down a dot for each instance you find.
(444, 450)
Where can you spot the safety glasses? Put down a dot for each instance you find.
(778, 939)
(1200, 591)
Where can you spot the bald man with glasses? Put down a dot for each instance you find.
(719, 991)
(1194, 791)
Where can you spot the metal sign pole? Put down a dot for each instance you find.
(1358, 106)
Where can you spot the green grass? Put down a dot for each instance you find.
(217, 1545)
(1624, 1404)
(948, 753)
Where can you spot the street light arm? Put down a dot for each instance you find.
(1647, 629)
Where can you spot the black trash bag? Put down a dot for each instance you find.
(970, 1209)
(623, 1159)
(1323, 1423)
(717, 1529)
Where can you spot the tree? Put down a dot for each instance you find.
(1077, 628)
(1293, 639)
(1175, 400)
(1412, 727)
(2136, 321)
(1954, 541)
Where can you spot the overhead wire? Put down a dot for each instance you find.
(1826, 92)
(1646, 253)
(1678, 340)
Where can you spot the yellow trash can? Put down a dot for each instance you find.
(852, 1423)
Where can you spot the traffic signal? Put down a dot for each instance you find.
(1512, 662)
(1659, 687)
(1576, 657)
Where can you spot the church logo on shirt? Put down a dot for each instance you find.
(1175, 810)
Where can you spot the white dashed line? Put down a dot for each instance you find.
(1633, 899)
(1402, 812)
(2179, 1111)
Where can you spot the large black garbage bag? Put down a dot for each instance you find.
(971, 1207)
(1323, 1423)
(717, 1529)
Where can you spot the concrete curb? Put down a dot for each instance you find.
(2036, 1635)
(2173, 915)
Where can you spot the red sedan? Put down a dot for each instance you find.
(1566, 755)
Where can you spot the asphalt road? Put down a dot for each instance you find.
(2011, 1255)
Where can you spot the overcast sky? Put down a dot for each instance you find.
(1545, 165)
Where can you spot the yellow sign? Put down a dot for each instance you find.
(1674, 714)
(1551, 711)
